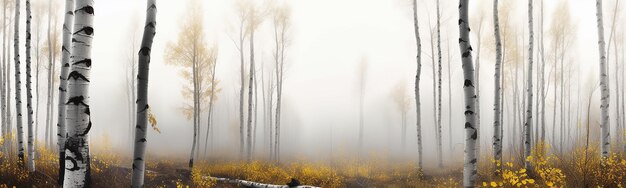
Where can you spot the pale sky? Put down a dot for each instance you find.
(328, 39)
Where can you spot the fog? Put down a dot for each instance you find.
(328, 41)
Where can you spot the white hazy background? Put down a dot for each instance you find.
(328, 39)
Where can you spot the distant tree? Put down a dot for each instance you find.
(497, 125)
(439, 75)
(242, 13)
(131, 82)
(605, 135)
(77, 159)
(191, 53)
(282, 21)
(3, 84)
(402, 102)
(471, 134)
(362, 72)
(7, 54)
(254, 20)
(139, 163)
(529, 90)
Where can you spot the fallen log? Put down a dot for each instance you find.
(293, 184)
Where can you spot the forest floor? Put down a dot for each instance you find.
(579, 168)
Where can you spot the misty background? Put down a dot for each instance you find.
(328, 41)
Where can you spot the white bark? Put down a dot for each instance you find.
(497, 125)
(439, 75)
(253, 184)
(241, 89)
(250, 93)
(68, 24)
(604, 107)
(139, 163)
(471, 134)
(29, 95)
(18, 85)
(77, 160)
(529, 90)
(417, 86)
(4, 85)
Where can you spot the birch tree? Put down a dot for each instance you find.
(402, 102)
(418, 105)
(18, 85)
(604, 87)
(282, 21)
(191, 53)
(3, 84)
(497, 125)
(139, 163)
(362, 72)
(242, 8)
(469, 167)
(29, 95)
(529, 90)
(439, 75)
(77, 168)
(68, 24)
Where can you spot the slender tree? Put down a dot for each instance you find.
(212, 95)
(3, 84)
(604, 125)
(529, 90)
(139, 163)
(68, 24)
(29, 95)
(497, 125)
(439, 75)
(192, 54)
(417, 86)
(251, 29)
(471, 134)
(243, 16)
(18, 85)
(281, 20)
(77, 168)
(362, 72)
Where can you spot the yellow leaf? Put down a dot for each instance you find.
(494, 184)
(484, 184)
(153, 121)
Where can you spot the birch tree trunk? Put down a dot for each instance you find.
(29, 95)
(241, 90)
(543, 81)
(4, 126)
(604, 124)
(471, 134)
(477, 79)
(18, 85)
(143, 72)
(497, 125)
(250, 92)
(68, 24)
(6, 58)
(418, 105)
(439, 74)
(195, 106)
(529, 90)
(50, 82)
(211, 101)
(77, 168)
